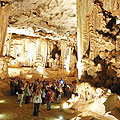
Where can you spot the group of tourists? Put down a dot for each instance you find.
(41, 92)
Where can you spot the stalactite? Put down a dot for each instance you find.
(102, 31)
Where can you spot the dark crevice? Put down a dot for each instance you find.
(88, 50)
(75, 53)
(3, 3)
(54, 51)
(97, 60)
(111, 24)
(107, 34)
(107, 75)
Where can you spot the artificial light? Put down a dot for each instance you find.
(2, 101)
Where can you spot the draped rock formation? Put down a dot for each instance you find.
(4, 13)
(99, 31)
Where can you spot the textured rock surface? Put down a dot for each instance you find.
(101, 31)
(56, 15)
(4, 13)
(3, 68)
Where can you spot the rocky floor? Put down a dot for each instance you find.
(10, 110)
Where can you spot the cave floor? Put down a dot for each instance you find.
(10, 110)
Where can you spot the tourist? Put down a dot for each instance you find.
(64, 90)
(59, 94)
(20, 95)
(31, 91)
(36, 100)
(43, 97)
(27, 94)
(11, 88)
(69, 92)
(15, 87)
(48, 99)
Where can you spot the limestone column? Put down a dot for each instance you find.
(39, 48)
(79, 37)
(111, 5)
(68, 60)
(84, 7)
(39, 59)
(23, 46)
(4, 12)
(63, 52)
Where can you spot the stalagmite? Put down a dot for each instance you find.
(63, 51)
(83, 9)
(68, 59)
(39, 58)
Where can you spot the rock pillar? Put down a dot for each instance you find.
(4, 12)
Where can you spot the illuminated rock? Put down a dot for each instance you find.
(3, 68)
(111, 102)
(109, 46)
(58, 17)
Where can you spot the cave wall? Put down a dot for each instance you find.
(100, 38)
(84, 9)
(26, 50)
(3, 68)
(4, 13)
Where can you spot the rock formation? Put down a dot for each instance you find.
(101, 53)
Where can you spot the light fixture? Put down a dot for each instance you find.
(2, 101)
(2, 116)
(55, 107)
(60, 118)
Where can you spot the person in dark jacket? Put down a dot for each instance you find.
(48, 99)
(11, 88)
(20, 95)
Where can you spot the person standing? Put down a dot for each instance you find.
(11, 88)
(48, 99)
(36, 100)
(43, 97)
(27, 94)
(20, 95)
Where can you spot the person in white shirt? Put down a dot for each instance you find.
(36, 100)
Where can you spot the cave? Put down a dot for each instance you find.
(65, 53)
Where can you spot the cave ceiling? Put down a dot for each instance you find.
(43, 16)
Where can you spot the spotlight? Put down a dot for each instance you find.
(56, 107)
(2, 101)
(61, 81)
(2, 116)
(60, 117)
